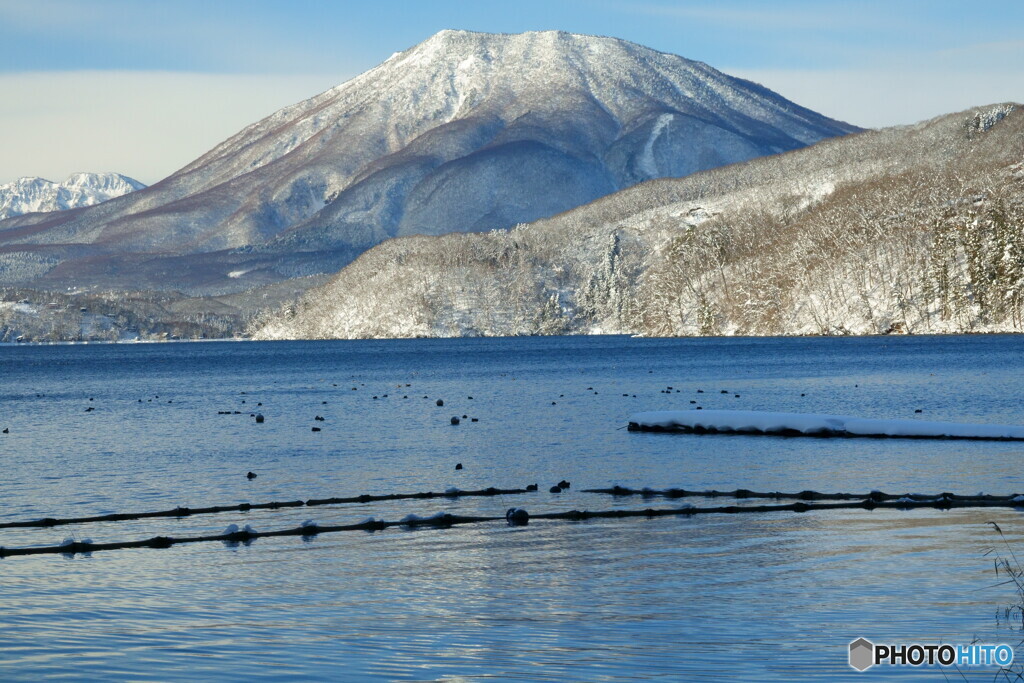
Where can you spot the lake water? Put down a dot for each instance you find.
(766, 596)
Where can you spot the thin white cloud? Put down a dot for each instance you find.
(171, 35)
(981, 53)
(143, 124)
(896, 89)
(877, 97)
(764, 16)
(47, 14)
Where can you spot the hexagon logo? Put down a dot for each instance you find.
(862, 654)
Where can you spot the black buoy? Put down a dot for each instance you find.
(440, 402)
(259, 417)
(474, 419)
(564, 484)
(918, 411)
(251, 475)
(531, 487)
(455, 420)
(315, 429)
(555, 489)
(319, 418)
(7, 430)
(517, 516)
(458, 466)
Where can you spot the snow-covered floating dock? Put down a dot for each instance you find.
(802, 424)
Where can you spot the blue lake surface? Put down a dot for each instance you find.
(763, 596)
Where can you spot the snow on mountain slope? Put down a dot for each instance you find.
(463, 132)
(30, 195)
(909, 229)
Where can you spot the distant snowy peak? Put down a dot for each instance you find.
(29, 195)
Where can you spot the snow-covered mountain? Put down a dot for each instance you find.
(915, 229)
(31, 195)
(463, 132)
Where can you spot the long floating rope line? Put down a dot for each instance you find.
(449, 520)
(245, 507)
(179, 512)
(802, 495)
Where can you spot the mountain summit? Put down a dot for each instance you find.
(28, 195)
(463, 132)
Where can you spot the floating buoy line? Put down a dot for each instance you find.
(877, 496)
(519, 516)
(245, 507)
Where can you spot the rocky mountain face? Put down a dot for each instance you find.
(34, 195)
(463, 132)
(915, 229)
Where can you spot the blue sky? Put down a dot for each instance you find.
(144, 86)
